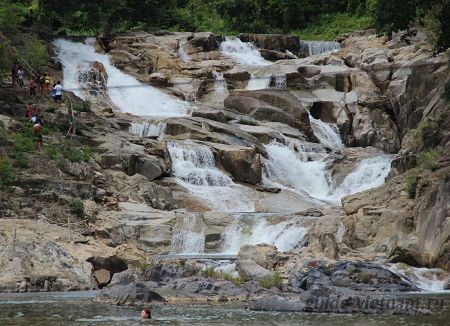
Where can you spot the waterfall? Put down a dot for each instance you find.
(327, 133)
(124, 91)
(285, 235)
(321, 47)
(256, 83)
(220, 85)
(189, 236)
(291, 166)
(194, 168)
(182, 52)
(148, 130)
(244, 53)
(426, 279)
(280, 81)
(369, 173)
(288, 167)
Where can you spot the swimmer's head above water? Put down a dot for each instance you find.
(146, 314)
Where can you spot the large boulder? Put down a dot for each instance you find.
(276, 42)
(204, 42)
(271, 105)
(358, 276)
(263, 254)
(130, 294)
(151, 167)
(243, 163)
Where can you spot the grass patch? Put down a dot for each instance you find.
(62, 150)
(412, 181)
(144, 266)
(430, 159)
(273, 281)
(329, 26)
(212, 273)
(6, 173)
(77, 208)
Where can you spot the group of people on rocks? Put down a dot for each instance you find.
(39, 83)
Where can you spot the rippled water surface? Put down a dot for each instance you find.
(76, 308)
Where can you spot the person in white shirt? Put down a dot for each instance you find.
(58, 92)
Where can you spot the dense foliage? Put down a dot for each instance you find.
(312, 18)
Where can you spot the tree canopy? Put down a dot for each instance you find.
(82, 17)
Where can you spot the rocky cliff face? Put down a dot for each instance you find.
(383, 97)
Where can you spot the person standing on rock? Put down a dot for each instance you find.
(33, 87)
(46, 82)
(37, 132)
(58, 92)
(20, 76)
(14, 76)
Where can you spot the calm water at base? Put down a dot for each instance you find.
(76, 308)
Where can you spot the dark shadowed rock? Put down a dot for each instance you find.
(354, 275)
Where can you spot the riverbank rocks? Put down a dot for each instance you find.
(131, 294)
(358, 276)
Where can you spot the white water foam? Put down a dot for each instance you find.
(426, 279)
(244, 53)
(182, 52)
(286, 235)
(190, 237)
(146, 129)
(256, 83)
(321, 47)
(369, 173)
(327, 133)
(220, 85)
(125, 92)
(280, 81)
(290, 166)
(194, 168)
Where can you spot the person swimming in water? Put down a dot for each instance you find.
(146, 314)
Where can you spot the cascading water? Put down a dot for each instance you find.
(327, 133)
(289, 165)
(194, 168)
(256, 83)
(285, 235)
(189, 238)
(289, 168)
(280, 81)
(125, 92)
(427, 279)
(220, 85)
(182, 52)
(244, 53)
(146, 130)
(321, 47)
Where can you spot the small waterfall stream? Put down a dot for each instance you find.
(220, 85)
(194, 168)
(321, 47)
(251, 230)
(148, 130)
(182, 52)
(244, 53)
